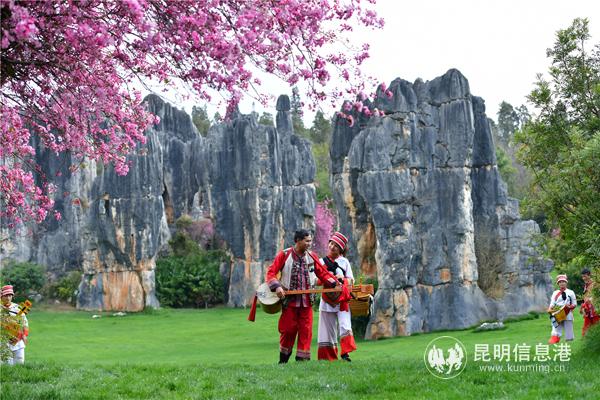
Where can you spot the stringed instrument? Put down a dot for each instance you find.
(271, 303)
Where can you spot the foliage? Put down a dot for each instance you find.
(15, 322)
(506, 168)
(514, 174)
(190, 276)
(266, 119)
(572, 269)
(5, 336)
(182, 245)
(297, 114)
(523, 115)
(510, 119)
(508, 122)
(591, 341)
(320, 132)
(193, 280)
(320, 135)
(25, 277)
(201, 120)
(325, 223)
(561, 146)
(67, 68)
(321, 155)
(66, 288)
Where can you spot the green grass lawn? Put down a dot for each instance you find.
(217, 353)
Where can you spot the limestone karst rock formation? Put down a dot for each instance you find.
(254, 182)
(420, 194)
(260, 185)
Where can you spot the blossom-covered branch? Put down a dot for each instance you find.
(67, 67)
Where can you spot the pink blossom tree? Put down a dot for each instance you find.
(325, 222)
(68, 69)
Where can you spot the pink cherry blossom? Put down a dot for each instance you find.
(68, 68)
(325, 222)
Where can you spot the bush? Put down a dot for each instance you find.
(66, 288)
(573, 271)
(191, 280)
(591, 340)
(182, 246)
(25, 277)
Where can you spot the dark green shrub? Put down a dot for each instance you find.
(66, 288)
(591, 340)
(182, 246)
(192, 280)
(573, 271)
(25, 277)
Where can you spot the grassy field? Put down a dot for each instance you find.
(194, 354)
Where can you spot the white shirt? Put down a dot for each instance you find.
(345, 265)
(557, 301)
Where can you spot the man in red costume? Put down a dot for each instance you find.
(296, 265)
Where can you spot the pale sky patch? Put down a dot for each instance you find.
(499, 46)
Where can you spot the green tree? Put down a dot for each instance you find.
(508, 122)
(297, 114)
(321, 155)
(506, 168)
(26, 277)
(561, 146)
(200, 120)
(320, 132)
(320, 135)
(523, 115)
(514, 174)
(266, 119)
(189, 276)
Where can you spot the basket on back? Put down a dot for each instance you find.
(360, 304)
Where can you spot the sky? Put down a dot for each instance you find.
(499, 46)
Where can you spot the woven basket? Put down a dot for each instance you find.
(361, 305)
